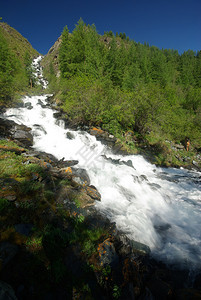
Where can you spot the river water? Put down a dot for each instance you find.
(159, 207)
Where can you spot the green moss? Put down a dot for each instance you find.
(11, 164)
(9, 144)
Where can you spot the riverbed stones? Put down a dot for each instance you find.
(70, 135)
(57, 114)
(28, 105)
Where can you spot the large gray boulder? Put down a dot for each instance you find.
(23, 137)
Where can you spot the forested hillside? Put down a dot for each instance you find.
(16, 55)
(120, 85)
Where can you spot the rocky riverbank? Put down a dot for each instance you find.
(162, 153)
(50, 227)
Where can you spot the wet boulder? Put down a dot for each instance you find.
(28, 105)
(127, 163)
(50, 98)
(154, 186)
(23, 137)
(93, 193)
(82, 175)
(103, 136)
(122, 244)
(66, 163)
(139, 247)
(107, 254)
(38, 129)
(119, 162)
(47, 157)
(18, 132)
(140, 178)
(40, 102)
(70, 136)
(57, 114)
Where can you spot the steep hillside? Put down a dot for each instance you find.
(16, 55)
(19, 45)
(51, 59)
(123, 86)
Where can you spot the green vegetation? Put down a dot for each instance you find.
(120, 85)
(51, 237)
(16, 55)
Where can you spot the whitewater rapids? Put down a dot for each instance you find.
(159, 207)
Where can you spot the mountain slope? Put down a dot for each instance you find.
(18, 44)
(16, 55)
(123, 86)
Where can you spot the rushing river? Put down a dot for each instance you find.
(159, 207)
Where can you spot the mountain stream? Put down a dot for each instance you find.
(159, 207)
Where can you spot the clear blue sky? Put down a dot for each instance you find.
(174, 24)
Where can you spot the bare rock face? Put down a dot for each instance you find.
(52, 56)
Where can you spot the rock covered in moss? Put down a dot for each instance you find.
(107, 254)
(93, 192)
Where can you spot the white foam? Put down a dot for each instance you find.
(161, 209)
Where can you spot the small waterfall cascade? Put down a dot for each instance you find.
(159, 207)
(38, 72)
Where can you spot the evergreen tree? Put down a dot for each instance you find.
(123, 85)
(29, 70)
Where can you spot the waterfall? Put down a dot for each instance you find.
(160, 207)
